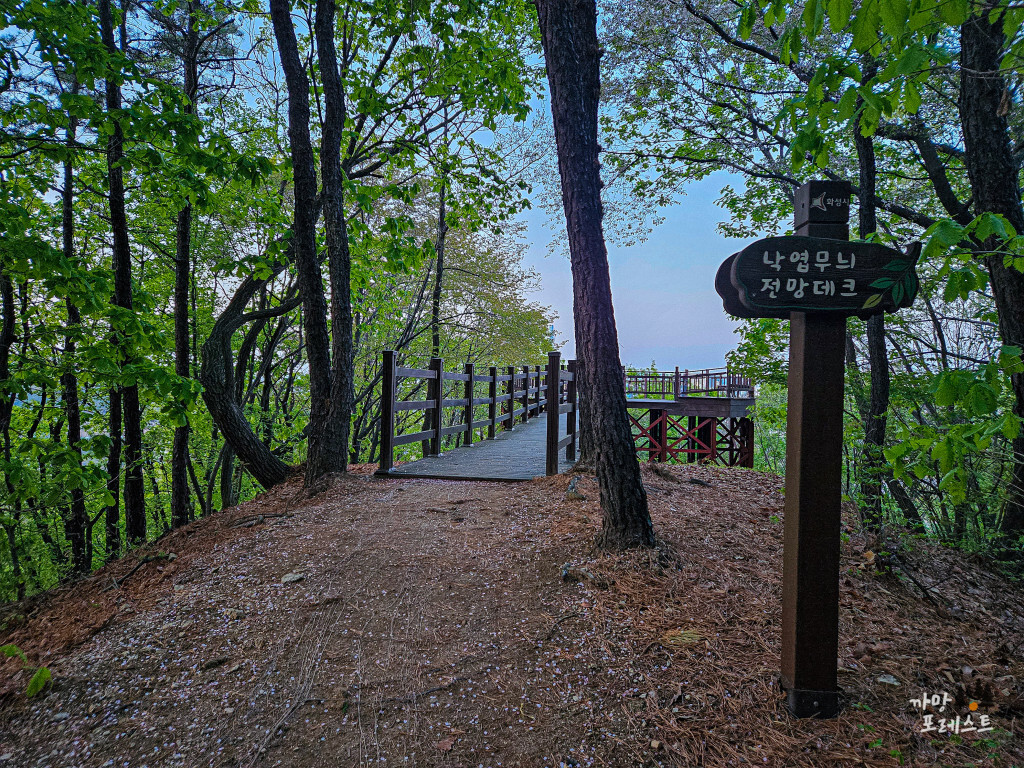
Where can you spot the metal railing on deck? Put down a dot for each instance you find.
(672, 385)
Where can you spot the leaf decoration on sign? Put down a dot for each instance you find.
(872, 301)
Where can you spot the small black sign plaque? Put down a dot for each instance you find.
(779, 275)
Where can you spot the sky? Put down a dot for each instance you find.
(663, 290)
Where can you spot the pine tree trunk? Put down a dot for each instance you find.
(134, 489)
(569, 36)
(984, 102)
(310, 280)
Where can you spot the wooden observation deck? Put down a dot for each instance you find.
(692, 416)
(515, 433)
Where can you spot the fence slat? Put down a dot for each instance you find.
(437, 366)
(570, 419)
(492, 405)
(551, 395)
(387, 412)
(467, 417)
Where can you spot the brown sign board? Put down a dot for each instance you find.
(779, 275)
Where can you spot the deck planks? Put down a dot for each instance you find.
(516, 454)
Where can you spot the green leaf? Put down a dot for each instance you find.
(911, 97)
(747, 19)
(883, 283)
(872, 301)
(894, 15)
(38, 682)
(982, 399)
(848, 103)
(839, 14)
(954, 12)
(866, 25)
(11, 650)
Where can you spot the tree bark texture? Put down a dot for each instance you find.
(134, 489)
(339, 257)
(878, 358)
(181, 509)
(571, 53)
(217, 375)
(78, 520)
(310, 280)
(983, 106)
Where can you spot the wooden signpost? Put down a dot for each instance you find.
(816, 278)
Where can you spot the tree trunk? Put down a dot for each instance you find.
(7, 339)
(134, 489)
(181, 508)
(112, 514)
(571, 53)
(339, 258)
(310, 281)
(217, 375)
(878, 358)
(983, 105)
(435, 305)
(78, 519)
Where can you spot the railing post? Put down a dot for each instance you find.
(437, 366)
(510, 390)
(551, 395)
(468, 417)
(492, 407)
(675, 386)
(536, 401)
(526, 393)
(570, 417)
(387, 411)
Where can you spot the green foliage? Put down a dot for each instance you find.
(40, 677)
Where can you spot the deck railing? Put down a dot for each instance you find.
(515, 394)
(672, 385)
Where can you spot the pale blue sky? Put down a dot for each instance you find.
(666, 308)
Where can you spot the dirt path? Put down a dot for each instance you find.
(420, 620)
(432, 623)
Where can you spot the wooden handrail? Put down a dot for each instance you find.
(514, 395)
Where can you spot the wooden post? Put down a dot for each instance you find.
(655, 429)
(492, 406)
(706, 435)
(526, 393)
(437, 395)
(570, 417)
(746, 433)
(468, 417)
(552, 408)
(814, 455)
(536, 400)
(691, 441)
(510, 390)
(387, 412)
(675, 386)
